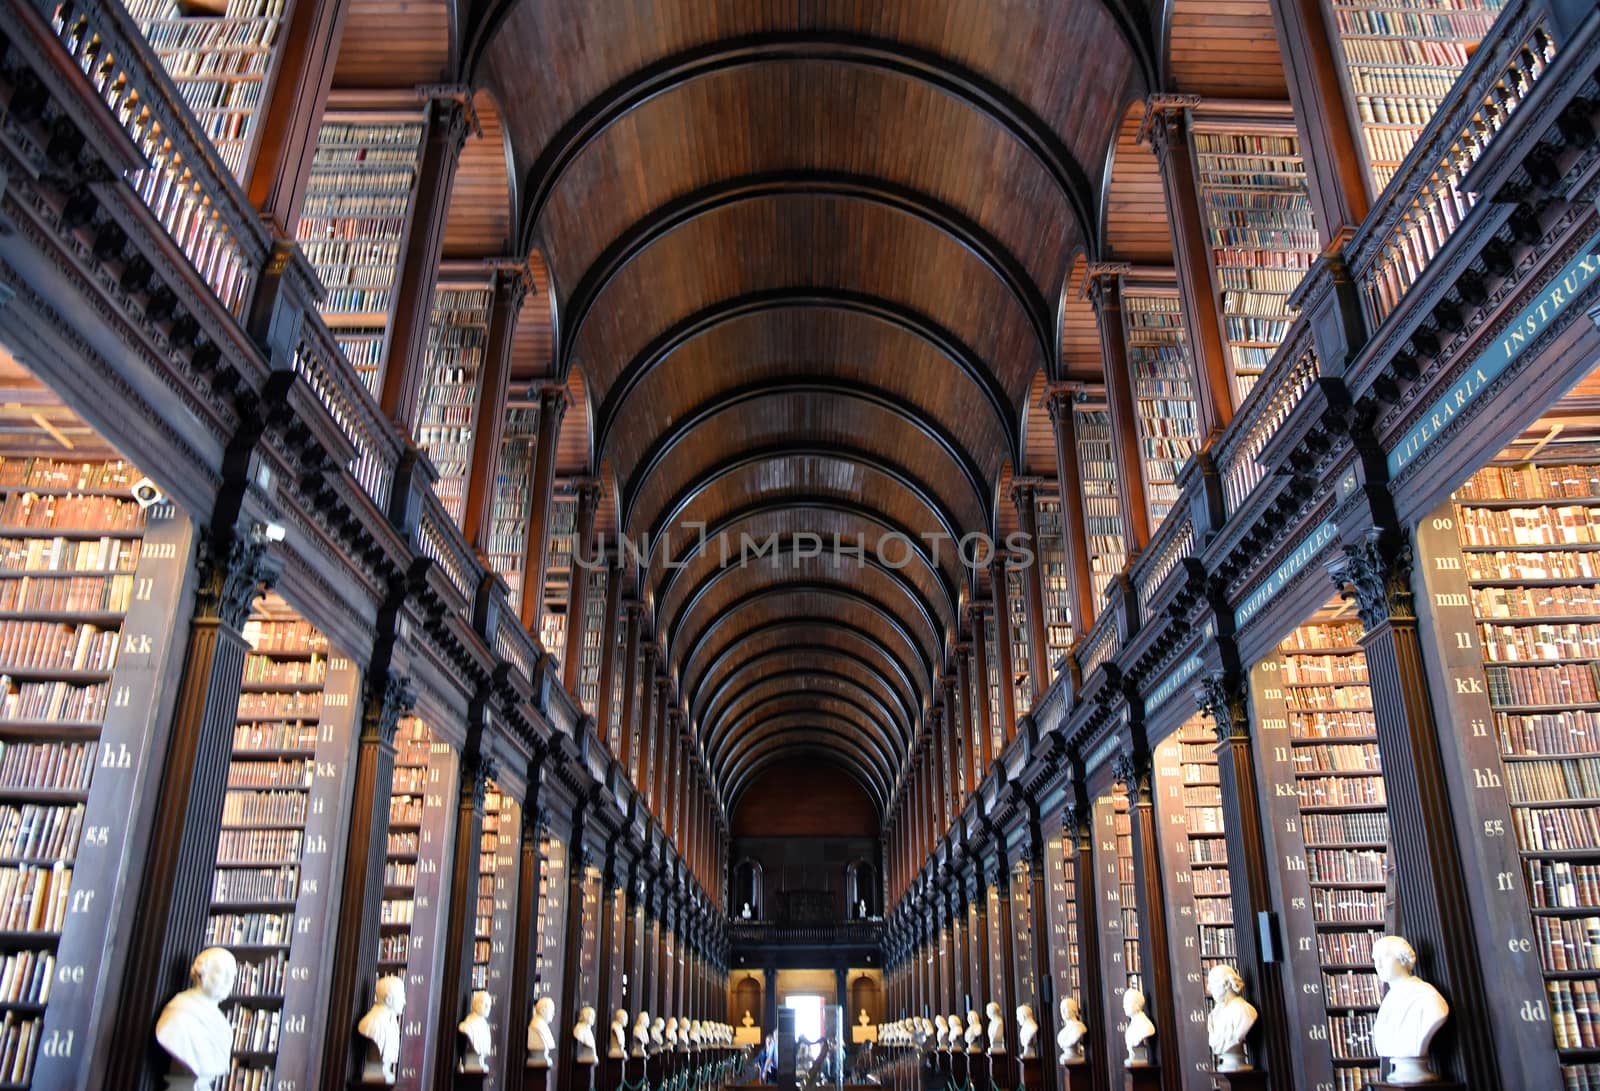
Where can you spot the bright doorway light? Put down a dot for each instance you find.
(807, 1017)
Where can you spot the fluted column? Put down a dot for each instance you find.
(1105, 291)
(1003, 646)
(552, 407)
(1074, 524)
(1024, 495)
(507, 289)
(578, 596)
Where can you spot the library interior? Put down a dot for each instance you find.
(680, 545)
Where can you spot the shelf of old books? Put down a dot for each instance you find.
(1527, 526)
(1253, 195)
(221, 62)
(1399, 59)
(421, 820)
(996, 726)
(1052, 561)
(594, 635)
(1018, 605)
(1319, 735)
(495, 912)
(1163, 388)
(1194, 854)
(279, 850)
(559, 571)
(1061, 912)
(619, 673)
(550, 951)
(1114, 887)
(513, 498)
(1102, 500)
(352, 221)
(1023, 936)
(588, 953)
(458, 329)
(91, 564)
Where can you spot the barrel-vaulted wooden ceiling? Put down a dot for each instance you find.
(808, 257)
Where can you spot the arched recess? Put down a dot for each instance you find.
(1226, 49)
(1081, 358)
(748, 999)
(863, 997)
(750, 890)
(396, 43)
(1135, 224)
(863, 893)
(478, 222)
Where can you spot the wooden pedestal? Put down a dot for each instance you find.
(1254, 1080)
(535, 1079)
(610, 1075)
(1077, 1076)
(979, 1071)
(1143, 1078)
(1032, 1074)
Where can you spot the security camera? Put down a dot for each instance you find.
(146, 493)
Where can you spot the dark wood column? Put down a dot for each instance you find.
(669, 728)
(608, 959)
(1133, 770)
(174, 894)
(978, 613)
(981, 923)
(630, 685)
(649, 757)
(578, 596)
(552, 407)
(608, 652)
(1167, 126)
(1104, 281)
(291, 117)
(633, 927)
(519, 1004)
(1024, 495)
(448, 117)
(1005, 925)
(646, 954)
(579, 857)
(1074, 526)
(507, 289)
(1078, 830)
(961, 939)
(1433, 895)
(956, 759)
(1335, 172)
(937, 770)
(352, 973)
(1045, 1001)
(1225, 701)
(973, 759)
(1003, 645)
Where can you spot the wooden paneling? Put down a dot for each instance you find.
(1080, 334)
(478, 224)
(804, 799)
(1038, 434)
(533, 343)
(1225, 48)
(394, 43)
(1136, 209)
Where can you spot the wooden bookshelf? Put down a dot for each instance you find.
(1061, 916)
(279, 851)
(1399, 60)
(559, 571)
(550, 956)
(594, 635)
(1114, 883)
(588, 952)
(221, 65)
(1025, 936)
(1052, 560)
(494, 915)
(458, 329)
(1017, 604)
(1536, 602)
(1102, 500)
(996, 726)
(1194, 856)
(613, 731)
(1253, 195)
(89, 580)
(1163, 389)
(1319, 735)
(357, 203)
(513, 498)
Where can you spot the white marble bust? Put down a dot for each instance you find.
(1027, 1031)
(941, 1032)
(672, 1033)
(1140, 1029)
(744, 914)
(1410, 1015)
(1069, 1039)
(683, 1035)
(953, 1021)
(696, 1034)
(974, 1035)
(619, 1035)
(192, 1028)
(381, 1028)
(747, 1021)
(658, 1034)
(641, 1034)
(864, 1019)
(928, 1032)
(541, 1038)
(996, 1029)
(1230, 1020)
(583, 1034)
(478, 1034)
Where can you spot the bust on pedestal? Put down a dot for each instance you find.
(381, 1028)
(1230, 1020)
(477, 1034)
(619, 1035)
(996, 1029)
(1411, 1013)
(192, 1028)
(1027, 1031)
(1069, 1039)
(941, 1031)
(583, 1034)
(658, 1035)
(641, 1035)
(1140, 1029)
(541, 1036)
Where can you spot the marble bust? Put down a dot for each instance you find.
(672, 1033)
(744, 914)
(641, 1034)
(1027, 1031)
(658, 1040)
(747, 1021)
(619, 1035)
(1140, 1029)
(192, 1028)
(478, 1034)
(953, 1021)
(974, 1035)
(696, 1036)
(583, 1034)
(381, 1028)
(941, 1032)
(683, 1035)
(1411, 1013)
(1069, 1039)
(541, 1039)
(997, 1027)
(1230, 1020)
(864, 1019)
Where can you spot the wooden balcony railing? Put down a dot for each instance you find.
(1171, 544)
(194, 198)
(1292, 371)
(329, 374)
